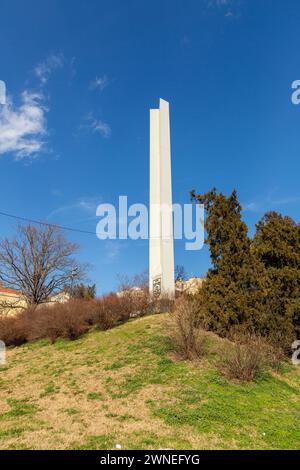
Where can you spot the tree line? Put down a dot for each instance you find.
(253, 285)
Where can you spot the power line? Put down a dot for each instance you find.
(62, 227)
(33, 221)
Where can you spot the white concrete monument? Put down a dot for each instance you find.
(161, 246)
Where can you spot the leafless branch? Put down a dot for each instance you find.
(38, 263)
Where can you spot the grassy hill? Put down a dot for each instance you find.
(124, 386)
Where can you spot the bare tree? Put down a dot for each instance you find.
(82, 291)
(180, 273)
(38, 262)
(140, 280)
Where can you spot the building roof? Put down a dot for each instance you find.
(6, 290)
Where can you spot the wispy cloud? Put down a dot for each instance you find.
(89, 204)
(269, 203)
(73, 63)
(23, 129)
(102, 127)
(85, 205)
(99, 83)
(112, 250)
(231, 8)
(44, 69)
(56, 192)
(97, 125)
(219, 3)
(251, 207)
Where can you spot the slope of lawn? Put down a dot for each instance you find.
(124, 386)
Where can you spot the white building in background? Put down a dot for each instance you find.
(161, 245)
(190, 286)
(13, 302)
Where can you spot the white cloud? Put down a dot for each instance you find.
(23, 128)
(44, 69)
(102, 127)
(251, 207)
(96, 125)
(99, 83)
(88, 205)
(230, 8)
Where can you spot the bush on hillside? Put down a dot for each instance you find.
(189, 341)
(68, 320)
(135, 302)
(164, 303)
(13, 331)
(248, 356)
(107, 311)
(72, 319)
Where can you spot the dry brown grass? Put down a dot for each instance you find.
(70, 397)
(120, 386)
(69, 392)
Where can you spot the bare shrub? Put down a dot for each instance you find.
(73, 318)
(106, 311)
(141, 302)
(67, 320)
(113, 308)
(280, 343)
(274, 353)
(161, 304)
(12, 331)
(190, 341)
(134, 302)
(243, 360)
(139, 281)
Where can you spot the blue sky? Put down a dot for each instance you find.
(81, 77)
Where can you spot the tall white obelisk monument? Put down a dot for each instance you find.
(161, 246)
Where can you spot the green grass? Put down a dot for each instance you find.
(94, 396)
(19, 408)
(124, 386)
(104, 441)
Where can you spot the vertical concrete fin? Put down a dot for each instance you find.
(161, 246)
